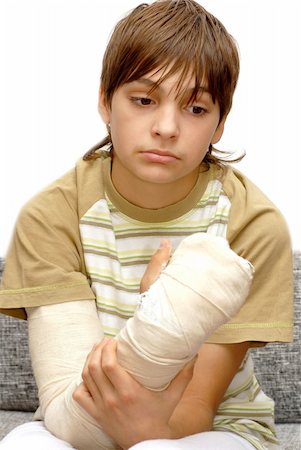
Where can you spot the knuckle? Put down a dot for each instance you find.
(76, 395)
(111, 402)
(85, 373)
(108, 366)
(127, 396)
(97, 347)
(92, 368)
(157, 258)
(144, 284)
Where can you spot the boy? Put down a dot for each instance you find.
(168, 78)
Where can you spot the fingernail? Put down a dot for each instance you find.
(165, 243)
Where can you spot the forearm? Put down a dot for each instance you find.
(165, 332)
(215, 368)
(60, 338)
(190, 417)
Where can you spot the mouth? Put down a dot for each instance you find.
(159, 156)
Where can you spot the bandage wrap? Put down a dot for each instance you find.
(203, 286)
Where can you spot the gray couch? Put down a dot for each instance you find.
(278, 368)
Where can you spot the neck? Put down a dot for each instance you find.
(152, 195)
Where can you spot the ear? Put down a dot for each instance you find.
(218, 132)
(103, 108)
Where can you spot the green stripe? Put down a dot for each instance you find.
(117, 312)
(238, 390)
(110, 331)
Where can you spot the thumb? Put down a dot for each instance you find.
(158, 261)
(179, 384)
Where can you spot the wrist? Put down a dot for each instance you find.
(164, 432)
(187, 422)
(156, 431)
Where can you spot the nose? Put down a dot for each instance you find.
(166, 122)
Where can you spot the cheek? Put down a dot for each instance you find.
(126, 128)
(122, 136)
(200, 138)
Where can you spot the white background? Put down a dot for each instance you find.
(50, 60)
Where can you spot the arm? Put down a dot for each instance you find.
(129, 413)
(117, 402)
(214, 370)
(60, 337)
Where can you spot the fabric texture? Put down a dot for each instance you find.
(201, 441)
(288, 434)
(118, 239)
(18, 390)
(278, 366)
(223, 203)
(17, 386)
(9, 420)
(59, 328)
(35, 436)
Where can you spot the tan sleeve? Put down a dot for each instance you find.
(44, 263)
(258, 232)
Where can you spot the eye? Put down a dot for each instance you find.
(142, 101)
(196, 110)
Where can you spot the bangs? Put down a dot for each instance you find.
(185, 74)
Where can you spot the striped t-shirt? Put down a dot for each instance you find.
(88, 242)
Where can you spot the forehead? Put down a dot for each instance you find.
(165, 80)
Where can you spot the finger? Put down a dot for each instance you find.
(83, 397)
(120, 379)
(158, 261)
(93, 376)
(96, 349)
(179, 384)
(100, 344)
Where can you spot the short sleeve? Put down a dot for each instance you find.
(258, 232)
(44, 264)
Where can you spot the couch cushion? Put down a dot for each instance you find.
(12, 419)
(289, 436)
(278, 366)
(18, 389)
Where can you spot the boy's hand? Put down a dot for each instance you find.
(125, 410)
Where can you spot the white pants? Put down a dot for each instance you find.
(34, 436)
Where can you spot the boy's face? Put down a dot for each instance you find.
(159, 138)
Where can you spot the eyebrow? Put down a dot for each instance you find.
(153, 84)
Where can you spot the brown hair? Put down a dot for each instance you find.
(177, 36)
